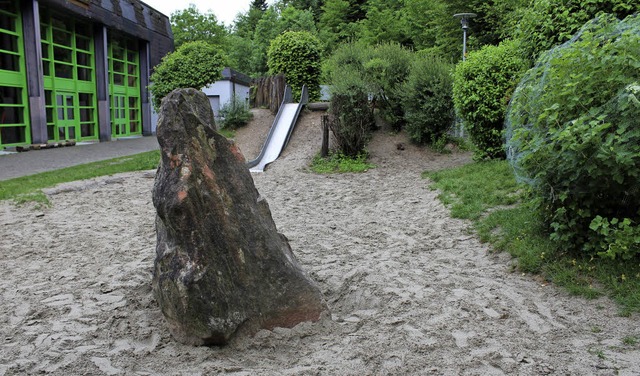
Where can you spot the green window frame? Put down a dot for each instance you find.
(124, 86)
(68, 63)
(15, 127)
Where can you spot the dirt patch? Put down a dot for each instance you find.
(411, 291)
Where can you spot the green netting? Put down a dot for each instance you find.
(573, 129)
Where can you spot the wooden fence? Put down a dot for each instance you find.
(267, 92)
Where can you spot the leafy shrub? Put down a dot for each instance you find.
(351, 116)
(235, 113)
(387, 70)
(351, 120)
(192, 65)
(297, 55)
(548, 23)
(573, 135)
(482, 88)
(427, 100)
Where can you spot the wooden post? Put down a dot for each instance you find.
(324, 150)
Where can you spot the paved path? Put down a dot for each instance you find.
(32, 162)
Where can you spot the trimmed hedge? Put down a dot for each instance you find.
(482, 88)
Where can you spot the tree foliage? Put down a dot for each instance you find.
(297, 55)
(387, 70)
(427, 99)
(190, 25)
(351, 115)
(548, 23)
(192, 65)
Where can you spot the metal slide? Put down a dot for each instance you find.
(281, 130)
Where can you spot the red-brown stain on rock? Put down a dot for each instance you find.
(235, 150)
(207, 172)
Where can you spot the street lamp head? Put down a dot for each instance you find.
(464, 18)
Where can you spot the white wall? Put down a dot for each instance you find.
(223, 90)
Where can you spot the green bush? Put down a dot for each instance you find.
(297, 55)
(548, 23)
(192, 65)
(351, 116)
(573, 134)
(427, 100)
(351, 120)
(387, 70)
(235, 113)
(482, 88)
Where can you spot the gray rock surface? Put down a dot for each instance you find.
(221, 266)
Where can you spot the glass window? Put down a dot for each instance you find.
(62, 54)
(8, 42)
(83, 43)
(86, 114)
(62, 24)
(9, 62)
(62, 38)
(45, 50)
(10, 95)
(63, 70)
(118, 53)
(83, 59)
(7, 22)
(84, 74)
(11, 115)
(118, 67)
(83, 30)
(85, 99)
(12, 135)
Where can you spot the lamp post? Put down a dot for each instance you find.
(464, 20)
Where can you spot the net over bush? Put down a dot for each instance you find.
(573, 134)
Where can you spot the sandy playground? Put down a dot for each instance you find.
(411, 291)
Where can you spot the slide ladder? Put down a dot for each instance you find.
(281, 130)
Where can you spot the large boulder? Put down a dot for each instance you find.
(221, 266)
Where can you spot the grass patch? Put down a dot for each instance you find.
(227, 132)
(338, 163)
(27, 188)
(488, 194)
(472, 189)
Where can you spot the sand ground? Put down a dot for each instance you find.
(411, 290)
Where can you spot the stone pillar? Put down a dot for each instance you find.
(102, 82)
(145, 71)
(35, 76)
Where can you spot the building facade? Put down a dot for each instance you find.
(232, 85)
(77, 69)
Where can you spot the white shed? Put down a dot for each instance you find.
(231, 84)
(220, 92)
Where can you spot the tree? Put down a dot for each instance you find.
(192, 65)
(190, 25)
(260, 5)
(297, 55)
(385, 22)
(272, 24)
(551, 22)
